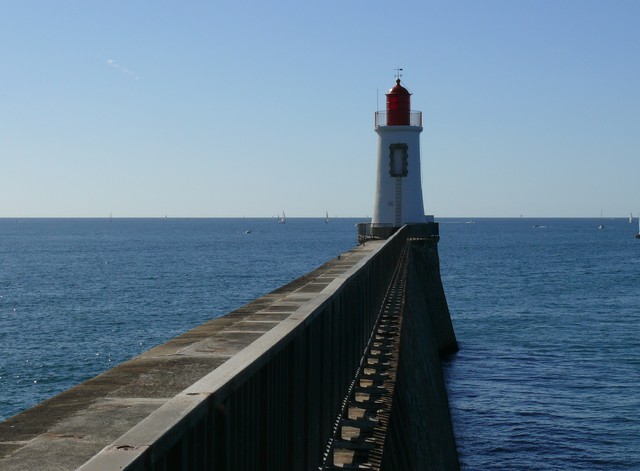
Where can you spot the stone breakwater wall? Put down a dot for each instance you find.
(261, 387)
(420, 434)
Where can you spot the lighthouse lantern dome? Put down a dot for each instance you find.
(398, 106)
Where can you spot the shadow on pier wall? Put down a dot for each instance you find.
(420, 435)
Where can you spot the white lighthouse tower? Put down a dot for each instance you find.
(398, 198)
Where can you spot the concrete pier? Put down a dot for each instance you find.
(262, 387)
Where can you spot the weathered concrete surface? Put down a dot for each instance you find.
(68, 429)
(420, 435)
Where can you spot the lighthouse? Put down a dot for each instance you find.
(398, 197)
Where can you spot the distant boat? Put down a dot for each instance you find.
(326, 217)
(638, 234)
(601, 226)
(630, 218)
(283, 219)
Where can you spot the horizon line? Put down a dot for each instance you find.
(110, 217)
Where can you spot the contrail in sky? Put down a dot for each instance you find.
(113, 64)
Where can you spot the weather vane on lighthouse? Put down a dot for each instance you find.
(398, 73)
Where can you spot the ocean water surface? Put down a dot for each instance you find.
(546, 313)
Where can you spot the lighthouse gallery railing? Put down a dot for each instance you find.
(415, 118)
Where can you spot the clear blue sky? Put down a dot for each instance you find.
(232, 108)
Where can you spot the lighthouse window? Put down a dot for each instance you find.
(398, 156)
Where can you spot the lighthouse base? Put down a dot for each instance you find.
(377, 231)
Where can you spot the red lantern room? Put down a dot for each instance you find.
(398, 106)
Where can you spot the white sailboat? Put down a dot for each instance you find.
(638, 234)
(630, 218)
(326, 217)
(283, 219)
(601, 226)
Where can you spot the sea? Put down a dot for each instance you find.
(546, 312)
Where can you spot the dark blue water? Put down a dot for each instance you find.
(548, 319)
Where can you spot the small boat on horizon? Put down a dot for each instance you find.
(283, 219)
(638, 233)
(601, 226)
